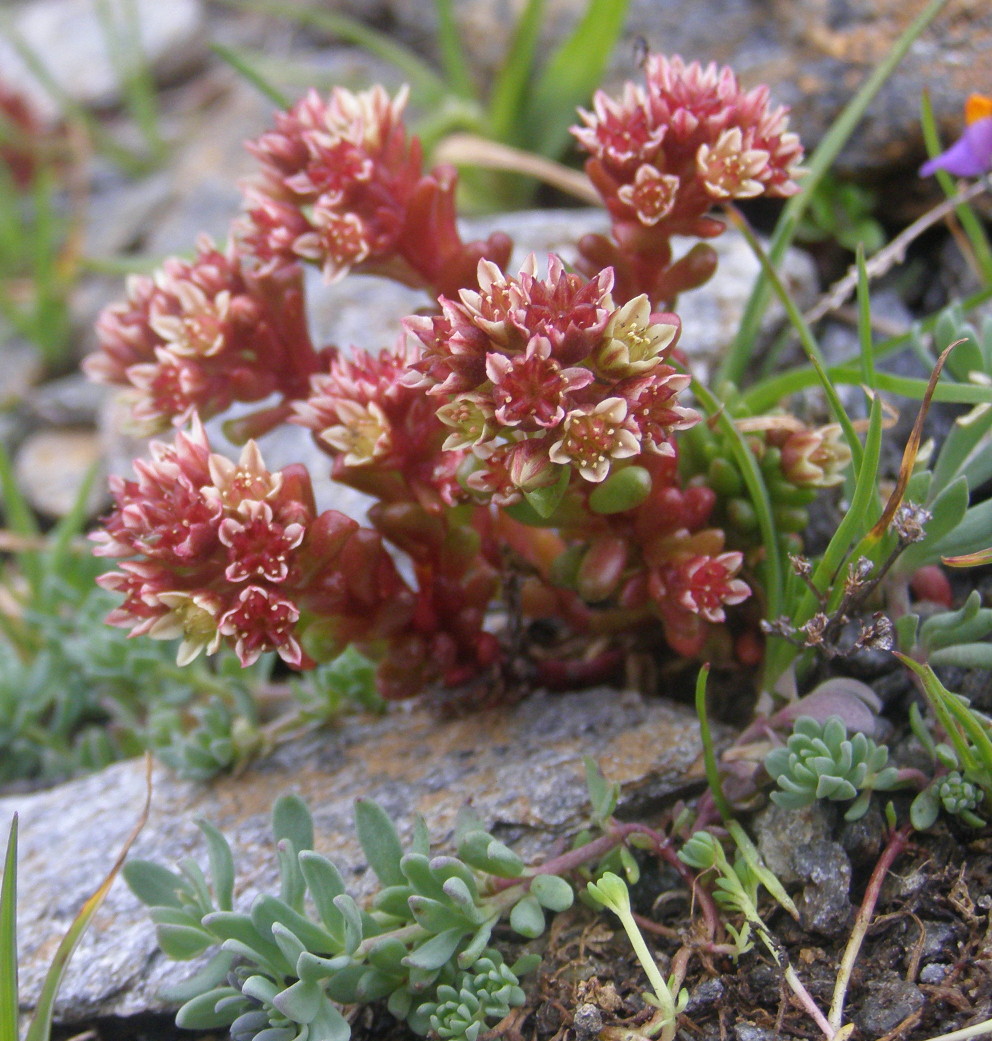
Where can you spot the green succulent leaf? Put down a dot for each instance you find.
(527, 917)
(291, 820)
(552, 892)
(300, 1002)
(324, 883)
(153, 884)
(622, 490)
(434, 915)
(603, 795)
(380, 842)
(416, 867)
(436, 951)
(353, 924)
(482, 851)
(201, 1013)
(182, 942)
(221, 865)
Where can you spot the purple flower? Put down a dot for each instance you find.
(971, 154)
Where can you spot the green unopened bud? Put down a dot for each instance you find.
(724, 478)
(623, 490)
(741, 515)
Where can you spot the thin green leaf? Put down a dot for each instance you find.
(8, 939)
(754, 481)
(509, 90)
(961, 441)
(250, 74)
(865, 336)
(452, 49)
(908, 461)
(603, 795)
(856, 522)
(806, 337)
(121, 31)
(71, 526)
(570, 76)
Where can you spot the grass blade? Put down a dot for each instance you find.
(122, 37)
(456, 69)
(8, 939)
(570, 76)
(250, 74)
(507, 97)
(865, 337)
(20, 520)
(911, 451)
(850, 531)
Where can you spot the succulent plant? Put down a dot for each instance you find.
(819, 761)
(280, 971)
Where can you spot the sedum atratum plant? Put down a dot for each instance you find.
(521, 439)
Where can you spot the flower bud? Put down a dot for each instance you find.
(816, 458)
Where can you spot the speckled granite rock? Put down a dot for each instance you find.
(521, 767)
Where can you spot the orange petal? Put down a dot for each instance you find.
(978, 106)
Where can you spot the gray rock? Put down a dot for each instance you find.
(587, 1022)
(51, 465)
(68, 401)
(939, 938)
(935, 972)
(22, 366)
(824, 906)
(708, 994)
(888, 1004)
(68, 37)
(521, 767)
(749, 1032)
(783, 834)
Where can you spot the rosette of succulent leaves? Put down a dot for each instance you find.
(280, 970)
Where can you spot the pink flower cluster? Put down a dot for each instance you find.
(539, 375)
(202, 334)
(662, 155)
(342, 187)
(215, 551)
(525, 432)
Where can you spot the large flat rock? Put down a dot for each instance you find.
(521, 767)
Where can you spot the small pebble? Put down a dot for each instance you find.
(587, 1022)
(51, 466)
(936, 972)
(889, 1003)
